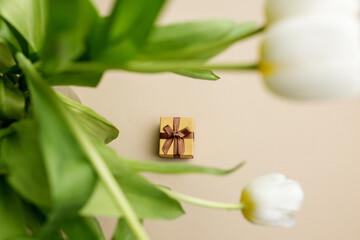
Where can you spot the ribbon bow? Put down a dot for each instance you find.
(177, 136)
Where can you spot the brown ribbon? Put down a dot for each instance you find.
(177, 136)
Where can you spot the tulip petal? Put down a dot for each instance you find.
(333, 79)
(288, 220)
(268, 178)
(271, 199)
(281, 9)
(313, 57)
(311, 40)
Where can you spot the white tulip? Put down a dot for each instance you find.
(280, 9)
(313, 57)
(271, 199)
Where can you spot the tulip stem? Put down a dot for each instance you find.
(159, 66)
(244, 67)
(259, 30)
(201, 202)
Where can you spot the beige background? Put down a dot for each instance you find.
(237, 119)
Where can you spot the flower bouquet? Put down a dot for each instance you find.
(56, 172)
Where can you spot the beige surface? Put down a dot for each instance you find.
(237, 119)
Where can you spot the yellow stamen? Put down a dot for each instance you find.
(266, 68)
(249, 205)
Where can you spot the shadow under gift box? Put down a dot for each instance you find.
(185, 124)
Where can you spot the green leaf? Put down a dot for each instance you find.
(83, 228)
(12, 218)
(20, 148)
(170, 40)
(74, 156)
(27, 17)
(21, 44)
(121, 35)
(162, 66)
(22, 156)
(95, 125)
(6, 58)
(8, 38)
(194, 40)
(70, 174)
(68, 25)
(147, 201)
(35, 220)
(12, 101)
(20, 220)
(178, 168)
(199, 74)
(123, 231)
(75, 78)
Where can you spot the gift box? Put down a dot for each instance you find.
(176, 137)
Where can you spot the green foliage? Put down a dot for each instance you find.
(178, 168)
(83, 228)
(120, 36)
(156, 204)
(76, 78)
(193, 40)
(123, 232)
(56, 172)
(65, 38)
(6, 59)
(28, 17)
(12, 101)
(12, 216)
(199, 74)
(21, 147)
(9, 44)
(64, 156)
(95, 125)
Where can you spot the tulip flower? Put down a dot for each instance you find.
(268, 200)
(281, 9)
(312, 57)
(271, 199)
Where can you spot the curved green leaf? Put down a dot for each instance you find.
(83, 228)
(170, 40)
(199, 74)
(147, 201)
(74, 156)
(95, 125)
(121, 35)
(8, 38)
(12, 101)
(178, 168)
(6, 58)
(70, 174)
(22, 156)
(123, 232)
(69, 24)
(27, 17)
(87, 78)
(191, 40)
(12, 216)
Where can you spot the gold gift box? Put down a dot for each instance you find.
(185, 125)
